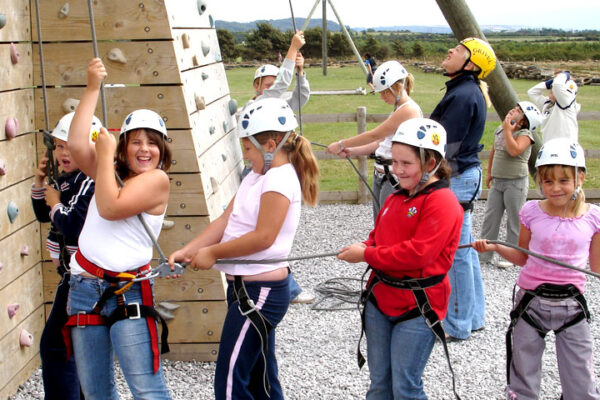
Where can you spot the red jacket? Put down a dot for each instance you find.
(415, 238)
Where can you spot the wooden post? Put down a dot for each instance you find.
(361, 126)
(463, 25)
(324, 40)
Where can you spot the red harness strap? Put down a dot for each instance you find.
(82, 319)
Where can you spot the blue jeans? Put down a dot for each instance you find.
(397, 354)
(466, 305)
(240, 365)
(295, 288)
(59, 374)
(95, 346)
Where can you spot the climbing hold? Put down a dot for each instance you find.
(214, 184)
(200, 102)
(12, 211)
(211, 21)
(1, 266)
(224, 126)
(64, 11)
(167, 316)
(11, 127)
(205, 48)
(2, 167)
(2, 21)
(12, 309)
(26, 338)
(233, 106)
(201, 6)
(24, 250)
(185, 40)
(14, 54)
(167, 224)
(224, 157)
(69, 105)
(117, 55)
(195, 61)
(168, 306)
(204, 76)
(211, 130)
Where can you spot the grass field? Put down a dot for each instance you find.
(429, 89)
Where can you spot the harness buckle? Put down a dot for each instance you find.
(78, 314)
(252, 308)
(137, 308)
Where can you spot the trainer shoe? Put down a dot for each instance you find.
(304, 297)
(504, 264)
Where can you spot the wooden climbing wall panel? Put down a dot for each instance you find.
(159, 54)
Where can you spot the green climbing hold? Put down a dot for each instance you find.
(2, 21)
(233, 106)
(12, 211)
(201, 6)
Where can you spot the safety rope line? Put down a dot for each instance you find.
(297, 76)
(540, 256)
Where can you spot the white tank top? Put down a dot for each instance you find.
(385, 146)
(119, 246)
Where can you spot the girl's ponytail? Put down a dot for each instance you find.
(484, 90)
(306, 166)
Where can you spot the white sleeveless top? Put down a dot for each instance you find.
(385, 146)
(119, 246)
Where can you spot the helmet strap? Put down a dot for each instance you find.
(425, 176)
(268, 157)
(577, 188)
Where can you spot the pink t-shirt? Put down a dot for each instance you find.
(244, 216)
(564, 239)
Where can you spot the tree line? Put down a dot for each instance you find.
(266, 43)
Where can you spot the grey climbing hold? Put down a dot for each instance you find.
(211, 130)
(167, 224)
(25, 338)
(12, 210)
(168, 306)
(2, 21)
(214, 184)
(14, 54)
(69, 105)
(233, 106)
(2, 167)
(211, 21)
(205, 48)
(204, 76)
(64, 11)
(24, 250)
(185, 41)
(223, 157)
(117, 55)
(224, 126)
(11, 127)
(201, 6)
(12, 309)
(200, 102)
(167, 316)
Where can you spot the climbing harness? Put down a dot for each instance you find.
(468, 206)
(545, 291)
(417, 286)
(387, 174)
(130, 311)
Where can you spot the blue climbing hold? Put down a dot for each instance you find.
(201, 6)
(233, 106)
(12, 211)
(2, 21)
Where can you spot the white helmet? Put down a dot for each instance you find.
(266, 70)
(387, 74)
(533, 115)
(61, 131)
(263, 115)
(561, 151)
(146, 119)
(424, 133)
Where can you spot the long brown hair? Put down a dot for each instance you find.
(121, 154)
(302, 158)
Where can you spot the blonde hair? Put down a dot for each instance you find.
(551, 172)
(303, 160)
(483, 86)
(407, 84)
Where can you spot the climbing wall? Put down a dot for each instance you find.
(159, 54)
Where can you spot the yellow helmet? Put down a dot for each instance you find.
(482, 55)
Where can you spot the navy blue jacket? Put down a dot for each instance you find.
(462, 112)
(76, 191)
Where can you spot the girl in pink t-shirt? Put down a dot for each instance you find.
(550, 297)
(259, 224)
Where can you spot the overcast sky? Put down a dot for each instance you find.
(571, 14)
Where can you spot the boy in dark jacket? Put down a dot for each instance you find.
(66, 209)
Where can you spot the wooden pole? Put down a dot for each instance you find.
(463, 25)
(361, 126)
(324, 40)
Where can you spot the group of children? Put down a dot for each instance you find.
(109, 186)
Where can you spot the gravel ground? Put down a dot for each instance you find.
(316, 350)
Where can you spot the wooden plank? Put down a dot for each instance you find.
(15, 265)
(165, 100)
(192, 352)
(16, 12)
(51, 280)
(20, 194)
(19, 154)
(212, 88)
(187, 195)
(217, 202)
(147, 63)
(21, 376)
(17, 104)
(190, 44)
(338, 197)
(197, 322)
(184, 151)
(185, 14)
(19, 75)
(185, 229)
(113, 19)
(25, 291)
(193, 285)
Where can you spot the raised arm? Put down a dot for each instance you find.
(84, 152)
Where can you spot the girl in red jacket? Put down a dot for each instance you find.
(410, 250)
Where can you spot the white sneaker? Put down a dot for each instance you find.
(504, 264)
(304, 298)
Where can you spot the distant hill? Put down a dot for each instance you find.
(281, 24)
